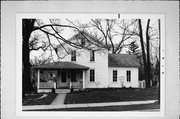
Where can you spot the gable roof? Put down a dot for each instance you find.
(60, 65)
(122, 60)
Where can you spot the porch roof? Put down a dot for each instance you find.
(60, 65)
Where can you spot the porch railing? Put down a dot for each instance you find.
(77, 85)
(46, 85)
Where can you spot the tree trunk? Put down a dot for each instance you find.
(148, 56)
(143, 50)
(28, 25)
(159, 25)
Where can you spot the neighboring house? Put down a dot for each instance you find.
(82, 68)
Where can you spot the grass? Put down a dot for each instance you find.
(110, 108)
(111, 95)
(37, 99)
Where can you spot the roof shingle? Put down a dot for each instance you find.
(60, 65)
(122, 60)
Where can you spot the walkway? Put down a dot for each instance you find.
(57, 105)
(59, 100)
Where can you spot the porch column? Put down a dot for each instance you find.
(38, 78)
(54, 83)
(84, 79)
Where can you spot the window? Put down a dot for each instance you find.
(92, 58)
(114, 75)
(81, 39)
(128, 75)
(82, 42)
(73, 55)
(92, 75)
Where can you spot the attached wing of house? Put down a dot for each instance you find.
(123, 70)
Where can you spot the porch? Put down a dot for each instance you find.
(61, 76)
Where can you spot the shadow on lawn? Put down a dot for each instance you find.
(39, 99)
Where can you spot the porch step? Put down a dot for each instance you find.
(62, 90)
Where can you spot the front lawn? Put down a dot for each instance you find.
(111, 95)
(39, 99)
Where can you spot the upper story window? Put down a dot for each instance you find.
(128, 75)
(81, 39)
(92, 75)
(114, 75)
(83, 42)
(92, 56)
(73, 55)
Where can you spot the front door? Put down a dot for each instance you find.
(63, 80)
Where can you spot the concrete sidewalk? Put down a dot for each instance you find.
(59, 100)
(60, 106)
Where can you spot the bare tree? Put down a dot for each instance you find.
(148, 54)
(111, 32)
(143, 49)
(28, 26)
(150, 34)
(107, 28)
(127, 30)
(158, 63)
(39, 61)
(51, 30)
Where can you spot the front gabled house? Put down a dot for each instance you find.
(82, 68)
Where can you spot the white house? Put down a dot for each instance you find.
(83, 68)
